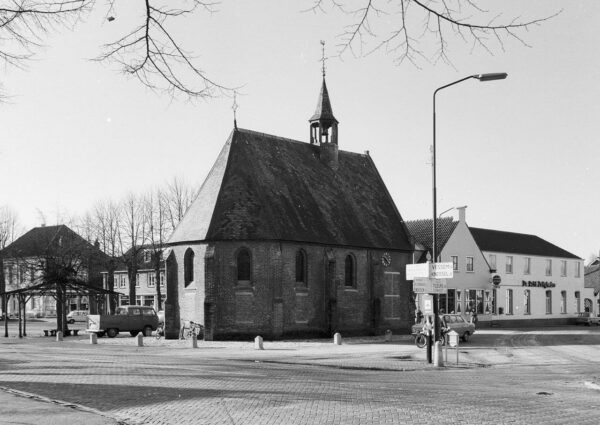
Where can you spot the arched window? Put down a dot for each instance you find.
(188, 267)
(244, 266)
(349, 279)
(301, 267)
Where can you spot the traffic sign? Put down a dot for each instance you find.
(417, 270)
(496, 280)
(442, 270)
(425, 285)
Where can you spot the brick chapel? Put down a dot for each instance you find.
(290, 238)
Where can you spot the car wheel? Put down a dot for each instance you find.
(71, 321)
(100, 334)
(147, 330)
(465, 337)
(133, 333)
(112, 332)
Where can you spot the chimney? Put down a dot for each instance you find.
(462, 214)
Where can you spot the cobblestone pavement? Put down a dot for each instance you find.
(516, 377)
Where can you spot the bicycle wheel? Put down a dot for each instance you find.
(421, 340)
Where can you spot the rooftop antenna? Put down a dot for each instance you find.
(323, 59)
(234, 107)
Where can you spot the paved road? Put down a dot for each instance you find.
(531, 377)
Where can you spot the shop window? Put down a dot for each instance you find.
(350, 271)
(509, 301)
(458, 308)
(548, 302)
(188, 267)
(577, 302)
(527, 301)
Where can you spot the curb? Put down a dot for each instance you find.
(75, 406)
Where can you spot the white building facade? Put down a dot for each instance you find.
(507, 278)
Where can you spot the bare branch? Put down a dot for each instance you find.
(429, 19)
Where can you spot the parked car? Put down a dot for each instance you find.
(77, 316)
(455, 322)
(127, 318)
(587, 319)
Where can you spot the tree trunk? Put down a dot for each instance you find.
(132, 281)
(110, 283)
(157, 279)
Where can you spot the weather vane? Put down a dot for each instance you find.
(235, 108)
(323, 59)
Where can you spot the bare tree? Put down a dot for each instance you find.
(156, 214)
(107, 222)
(149, 51)
(9, 226)
(132, 237)
(179, 195)
(403, 27)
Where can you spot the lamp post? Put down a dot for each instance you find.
(482, 78)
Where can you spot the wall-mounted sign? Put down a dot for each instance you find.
(496, 279)
(538, 284)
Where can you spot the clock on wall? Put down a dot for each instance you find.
(386, 259)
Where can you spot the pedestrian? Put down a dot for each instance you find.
(474, 317)
(418, 316)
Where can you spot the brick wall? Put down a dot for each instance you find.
(275, 305)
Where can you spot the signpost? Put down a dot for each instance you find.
(417, 270)
(427, 285)
(430, 278)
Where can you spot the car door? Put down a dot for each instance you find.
(135, 318)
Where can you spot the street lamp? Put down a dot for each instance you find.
(482, 78)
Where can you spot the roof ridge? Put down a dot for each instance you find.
(287, 139)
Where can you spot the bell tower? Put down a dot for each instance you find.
(323, 125)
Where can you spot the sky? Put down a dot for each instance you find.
(521, 153)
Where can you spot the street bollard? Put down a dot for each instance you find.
(59, 336)
(93, 338)
(258, 343)
(438, 360)
(194, 341)
(388, 336)
(337, 339)
(140, 339)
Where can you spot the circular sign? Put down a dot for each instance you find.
(386, 259)
(496, 280)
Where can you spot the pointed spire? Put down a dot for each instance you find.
(235, 108)
(324, 112)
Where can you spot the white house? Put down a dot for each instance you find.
(507, 277)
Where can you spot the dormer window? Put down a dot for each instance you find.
(147, 256)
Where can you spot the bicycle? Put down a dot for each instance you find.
(189, 329)
(160, 330)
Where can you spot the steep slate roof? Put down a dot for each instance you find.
(324, 110)
(264, 187)
(517, 243)
(422, 231)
